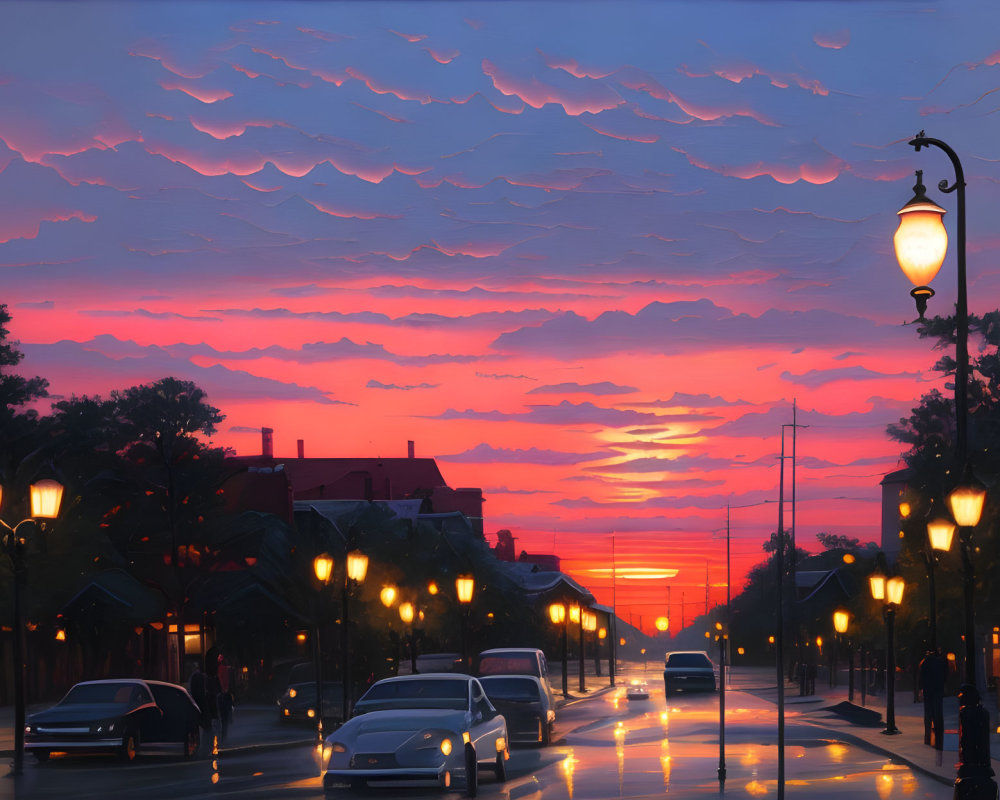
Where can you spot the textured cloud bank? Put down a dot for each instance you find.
(585, 265)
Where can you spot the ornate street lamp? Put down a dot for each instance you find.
(406, 615)
(557, 613)
(355, 570)
(45, 499)
(388, 596)
(889, 591)
(323, 570)
(464, 587)
(841, 621)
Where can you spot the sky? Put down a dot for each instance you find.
(586, 255)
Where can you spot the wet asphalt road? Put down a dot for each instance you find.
(605, 747)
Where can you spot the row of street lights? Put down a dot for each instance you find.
(355, 571)
(564, 614)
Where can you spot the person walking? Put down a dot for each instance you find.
(933, 673)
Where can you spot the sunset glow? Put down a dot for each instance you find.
(587, 267)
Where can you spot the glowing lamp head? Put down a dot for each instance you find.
(406, 612)
(921, 240)
(323, 567)
(557, 613)
(357, 565)
(966, 501)
(894, 590)
(841, 619)
(46, 497)
(432, 588)
(464, 586)
(940, 532)
(622, 641)
(602, 633)
(387, 596)
(61, 635)
(904, 509)
(589, 622)
(876, 582)
(662, 624)
(574, 613)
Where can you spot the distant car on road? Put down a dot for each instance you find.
(418, 728)
(688, 670)
(298, 703)
(517, 661)
(115, 716)
(524, 704)
(637, 690)
(433, 662)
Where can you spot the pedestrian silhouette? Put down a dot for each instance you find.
(933, 673)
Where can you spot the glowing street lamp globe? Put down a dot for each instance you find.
(894, 590)
(464, 586)
(387, 595)
(940, 531)
(323, 567)
(841, 619)
(921, 242)
(406, 612)
(357, 566)
(46, 497)
(557, 613)
(966, 501)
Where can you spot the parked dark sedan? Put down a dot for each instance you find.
(115, 716)
(524, 704)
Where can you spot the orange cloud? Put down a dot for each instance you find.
(201, 93)
(818, 173)
(26, 224)
(443, 56)
(537, 94)
(380, 88)
(835, 40)
(410, 37)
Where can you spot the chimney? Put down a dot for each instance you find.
(409, 449)
(267, 442)
(302, 448)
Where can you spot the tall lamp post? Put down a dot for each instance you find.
(355, 570)
(323, 570)
(889, 591)
(406, 615)
(46, 497)
(722, 636)
(841, 620)
(557, 613)
(576, 617)
(465, 585)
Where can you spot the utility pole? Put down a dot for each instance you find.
(706, 587)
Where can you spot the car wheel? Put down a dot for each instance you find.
(471, 772)
(546, 734)
(130, 746)
(501, 767)
(41, 755)
(191, 741)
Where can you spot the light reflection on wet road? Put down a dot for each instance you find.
(606, 747)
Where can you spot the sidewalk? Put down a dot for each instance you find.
(906, 747)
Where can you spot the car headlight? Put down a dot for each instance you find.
(292, 693)
(446, 746)
(337, 747)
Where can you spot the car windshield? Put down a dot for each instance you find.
(508, 665)
(688, 660)
(89, 693)
(515, 689)
(419, 693)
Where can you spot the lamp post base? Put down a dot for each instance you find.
(978, 787)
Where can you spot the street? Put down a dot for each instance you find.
(605, 747)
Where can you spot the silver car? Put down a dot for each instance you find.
(419, 728)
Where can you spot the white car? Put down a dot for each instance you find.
(415, 728)
(524, 704)
(517, 661)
